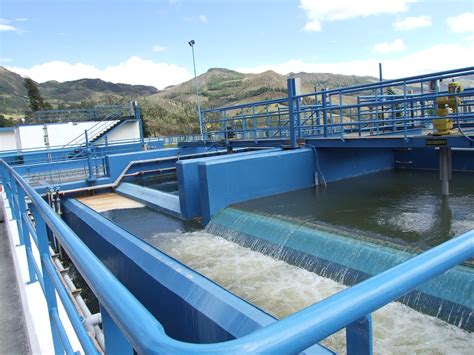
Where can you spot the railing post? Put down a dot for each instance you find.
(26, 235)
(341, 117)
(49, 291)
(291, 115)
(325, 114)
(405, 109)
(268, 122)
(140, 124)
(359, 337)
(422, 102)
(254, 122)
(15, 208)
(115, 341)
(280, 128)
(88, 154)
(298, 116)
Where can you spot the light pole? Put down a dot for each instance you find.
(192, 43)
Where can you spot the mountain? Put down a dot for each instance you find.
(69, 94)
(13, 97)
(92, 90)
(220, 86)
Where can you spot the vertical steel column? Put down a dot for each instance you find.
(26, 234)
(341, 118)
(359, 116)
(380, 78)
(377, 113)
(279, 121)
(422, 103)
(140, 123)
(445, 170)
(115, 341)
(325, 114)
(254, 121)
(49, 291)
(268, 122)
(291, 114)
(88, 154)
(15, 208)
(298, 116)
(359, 337)
(405, 109)
(244, 128)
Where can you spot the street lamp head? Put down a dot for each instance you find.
(191, 42)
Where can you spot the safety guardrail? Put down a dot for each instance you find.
(73, 115)
(58, 153)
(385, 107)
(349, 309)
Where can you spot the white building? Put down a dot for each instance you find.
(58, 135)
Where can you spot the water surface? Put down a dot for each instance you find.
(405, 207)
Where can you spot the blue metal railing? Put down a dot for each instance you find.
(362, 110)
(350, 308)
(74, 115)
(58, 153)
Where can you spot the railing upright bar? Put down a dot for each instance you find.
(26, 234)
(49, 291)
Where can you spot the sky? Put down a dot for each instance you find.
(146, 41)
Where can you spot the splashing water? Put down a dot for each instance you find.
(282, 289)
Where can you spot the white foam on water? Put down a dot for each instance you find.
(282, 289)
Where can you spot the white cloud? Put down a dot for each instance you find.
(203, 18)
(410, 23)
(463, 23)
(318, 11)
(158, 48)
(7, 28)
(396, 45)
(436, 58)
(135, 70)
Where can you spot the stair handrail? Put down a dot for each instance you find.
(81, 136)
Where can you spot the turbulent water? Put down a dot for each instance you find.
(400, 208)
(282, 289)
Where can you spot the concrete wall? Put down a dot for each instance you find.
(32, 136)
(124, 131)
(7, 139)
(338, 163)
(189, 306)
(227, 181)
(188, 181)
(223, 182)
(59, 134)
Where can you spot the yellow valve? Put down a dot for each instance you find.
(455, 87)
(442, 126)
(444, 106)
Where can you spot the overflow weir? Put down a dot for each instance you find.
(287, 221)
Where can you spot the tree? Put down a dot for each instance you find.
(36, 101)
(5, 122)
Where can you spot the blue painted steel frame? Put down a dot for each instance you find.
(372, 115)
(292, 334)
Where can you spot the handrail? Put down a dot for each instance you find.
(333, 113)
(94, 127)
(294, 333)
